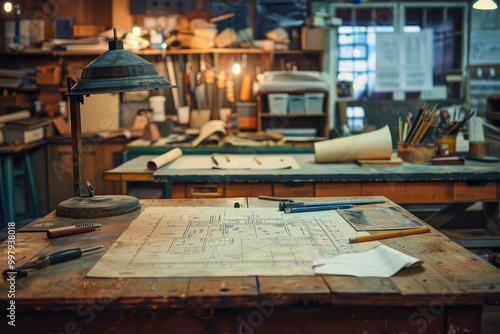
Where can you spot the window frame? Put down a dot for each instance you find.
(399, 12)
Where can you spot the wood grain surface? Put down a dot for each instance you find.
(451, 281)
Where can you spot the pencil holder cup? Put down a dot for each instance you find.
(447, 145)
(419, 154)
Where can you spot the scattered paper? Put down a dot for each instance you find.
(381, 261)
(235, 162)
(371, 145)
(214, 127)
(227, 161)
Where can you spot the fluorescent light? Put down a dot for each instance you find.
(485, 5)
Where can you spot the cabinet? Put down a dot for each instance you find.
(98, 155)
(293, 120)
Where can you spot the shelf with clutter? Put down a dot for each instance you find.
(196, 47)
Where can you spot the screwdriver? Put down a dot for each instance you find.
(69, 254)
(42, 262)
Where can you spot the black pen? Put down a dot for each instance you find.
(317, 208)
(273, 198)
(214, 160)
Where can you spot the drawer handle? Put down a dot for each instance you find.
(476, 183)
(205, 191)
(294, 185)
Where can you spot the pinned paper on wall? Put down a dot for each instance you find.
(371, 145)
(404, 61)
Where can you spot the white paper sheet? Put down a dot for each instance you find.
(404, 61)
(235, 161)
(484, 47)
(381, 261)
(203, 241)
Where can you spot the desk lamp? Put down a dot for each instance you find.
(114, 71)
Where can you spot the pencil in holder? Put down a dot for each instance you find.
(416, 153)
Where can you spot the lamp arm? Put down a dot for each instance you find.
(76, 139)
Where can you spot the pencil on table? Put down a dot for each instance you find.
(257, 160)
(400, 128)
(391, 234)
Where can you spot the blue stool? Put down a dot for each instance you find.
(7, 183)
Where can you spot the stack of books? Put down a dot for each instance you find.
(18, 78)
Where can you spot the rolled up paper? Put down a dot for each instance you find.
(371, 145)
(9, 118)
(16, 116)
(164, 159)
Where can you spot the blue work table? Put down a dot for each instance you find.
(458, 186)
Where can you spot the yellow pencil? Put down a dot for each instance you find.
(257, 160)
(386, 235)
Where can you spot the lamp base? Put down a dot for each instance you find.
(97, 206)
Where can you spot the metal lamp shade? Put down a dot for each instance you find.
(118, 70)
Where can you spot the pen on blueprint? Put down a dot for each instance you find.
(386, 235)
(214, 160)
(317, 208)
(286, 204)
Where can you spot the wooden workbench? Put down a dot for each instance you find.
(459, 186)
(446, 294)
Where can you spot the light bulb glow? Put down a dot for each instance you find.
(236, 68)
(485, 5)
(136, 31)
(7, 7)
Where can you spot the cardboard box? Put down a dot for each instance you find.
(25, 131)
(87, 30)
(313, 38)
(48, 75)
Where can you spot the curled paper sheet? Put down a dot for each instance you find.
(381, 261)
(371, 145)
(164, 159)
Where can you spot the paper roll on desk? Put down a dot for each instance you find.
(164, 159)
(371, 145)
